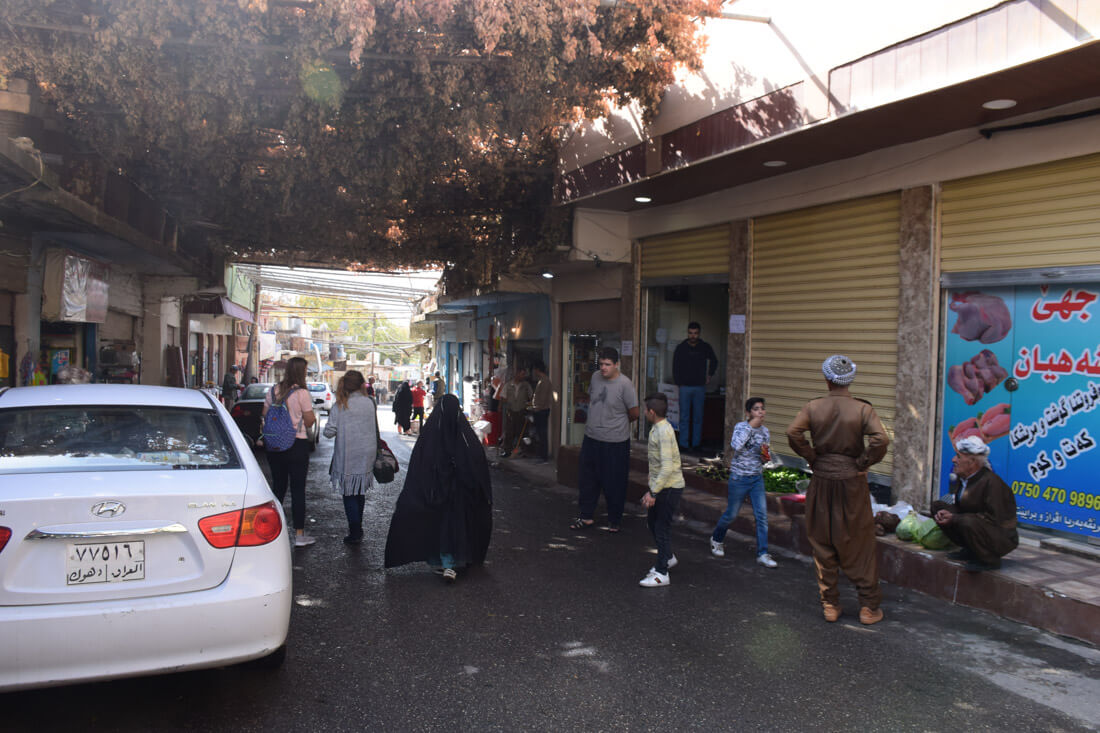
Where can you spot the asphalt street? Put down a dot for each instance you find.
(553, 633)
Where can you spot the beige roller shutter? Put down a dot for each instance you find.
(695, 252)
(1044, 215)
(825, 281)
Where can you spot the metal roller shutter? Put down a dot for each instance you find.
(696, 252)
(1044, 215)
(825, 281)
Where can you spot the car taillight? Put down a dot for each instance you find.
(5, 535)
(256, 525)
(237, 411)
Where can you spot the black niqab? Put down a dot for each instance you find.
(446, 503)
(402, 406)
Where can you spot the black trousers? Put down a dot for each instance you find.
(660, 524)
(603, 466)
(291, 467)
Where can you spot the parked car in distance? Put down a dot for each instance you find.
(322, 395)
(248, 412)
(137, 536)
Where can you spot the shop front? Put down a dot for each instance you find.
(587, 326)
(1021, 344)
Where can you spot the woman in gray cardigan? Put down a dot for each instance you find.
(353, 422)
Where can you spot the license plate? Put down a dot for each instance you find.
(105, 562)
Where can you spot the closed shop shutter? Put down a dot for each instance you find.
(1041, 216)
(117, 327)
(825, 281)
(684, 254)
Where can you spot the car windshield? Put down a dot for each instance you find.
(255, 391)
(111, 438)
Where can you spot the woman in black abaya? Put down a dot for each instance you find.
(444, 514)
(402, 408)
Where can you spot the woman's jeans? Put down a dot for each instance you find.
(353, 508)
(738, 486)
(291, 466)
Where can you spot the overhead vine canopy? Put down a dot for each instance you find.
(385, 132)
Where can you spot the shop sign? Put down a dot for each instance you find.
(1023, 373)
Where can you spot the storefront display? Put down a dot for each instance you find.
(1022, 372)
(580, 362)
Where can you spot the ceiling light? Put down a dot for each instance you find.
(774, 163)
(1000, 104)
(642, 199)
(548, 275)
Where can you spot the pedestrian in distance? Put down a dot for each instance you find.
(230, 387)
(402, 408)
(369, 389)
(418, 395)
(444, 515)
(517, 394)
(353, 422)
(605, 450)
(694, 364)
(291, 466)
(751, 449)
(541, 404)
(666, 486)
(848, 438)
(439, 388)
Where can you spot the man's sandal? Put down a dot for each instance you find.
(579, 523)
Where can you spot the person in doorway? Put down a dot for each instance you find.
(605, 451)
(666, 486)
(693, 366)
(541, 404)
(444, 515)
(750, 443)
(439, 388)
(848, 438)
(353, 422)
(230, 387)
(418, 395)
(291, 466)
(979, 515)
(402, 407)
(517, 395)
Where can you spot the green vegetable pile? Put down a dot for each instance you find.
(782, 480)
(717, 473)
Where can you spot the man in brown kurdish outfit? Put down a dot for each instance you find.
(839, 522)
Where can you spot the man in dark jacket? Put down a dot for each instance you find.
(693, 365)
(230, 387)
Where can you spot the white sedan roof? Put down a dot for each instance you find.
(105, 394)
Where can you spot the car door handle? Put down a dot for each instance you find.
(43, 534)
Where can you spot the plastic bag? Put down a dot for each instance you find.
(912, 526)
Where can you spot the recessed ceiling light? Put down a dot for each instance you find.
(642, 199)
(548, 275)
(774, 163)
(1000, 104)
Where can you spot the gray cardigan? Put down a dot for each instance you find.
(356, 444)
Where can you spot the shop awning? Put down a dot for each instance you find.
(220, 306)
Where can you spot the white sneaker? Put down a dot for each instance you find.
(303, 540)
(766, 560)
(450, 575)
(716, 548)
(673, 562)
(653, 579)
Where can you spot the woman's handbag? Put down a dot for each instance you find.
(385, 462)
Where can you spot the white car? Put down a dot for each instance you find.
(322, 396)
(137, 535)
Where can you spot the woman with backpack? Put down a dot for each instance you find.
(354, 423)
(289, 399)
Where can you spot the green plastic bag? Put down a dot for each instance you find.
(907, 527)
(932, 537)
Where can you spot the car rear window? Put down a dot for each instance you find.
(255, 391)
(112, 438)
(318, 387)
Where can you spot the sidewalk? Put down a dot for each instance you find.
(1051, 584)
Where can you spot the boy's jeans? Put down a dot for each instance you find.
(660, 524)
(738, 486)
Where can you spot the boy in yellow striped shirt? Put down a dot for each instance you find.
(666, 486)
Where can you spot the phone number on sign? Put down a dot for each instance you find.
(1056, 495)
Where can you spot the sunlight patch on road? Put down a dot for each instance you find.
(304, 600)
(579, 651)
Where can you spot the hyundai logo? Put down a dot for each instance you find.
(108, 509)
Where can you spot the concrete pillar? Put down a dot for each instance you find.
(737, 344)
(918, 321)
(154, 335)
(27, 316)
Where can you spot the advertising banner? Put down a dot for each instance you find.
(1023, 373)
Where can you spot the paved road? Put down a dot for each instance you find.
(554, 634)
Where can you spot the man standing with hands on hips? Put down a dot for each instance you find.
(693, 366)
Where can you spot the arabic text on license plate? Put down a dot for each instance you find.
(105, 562)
